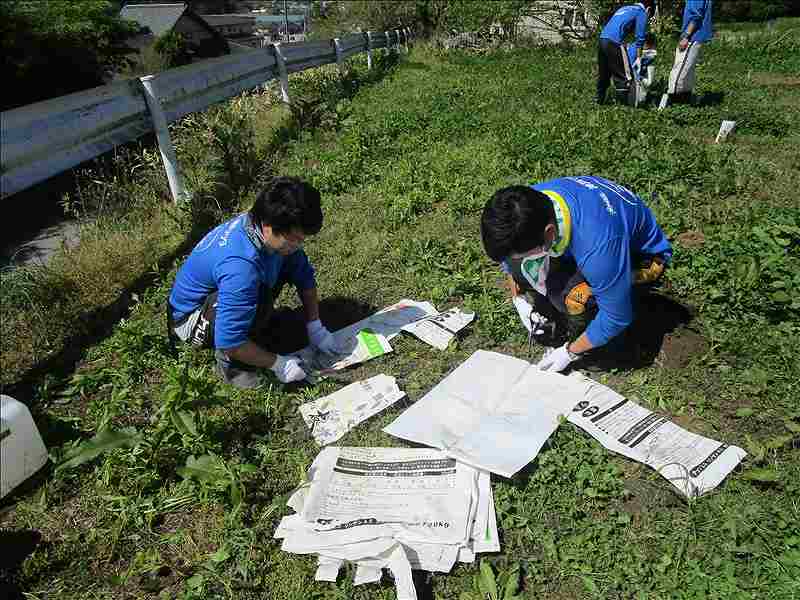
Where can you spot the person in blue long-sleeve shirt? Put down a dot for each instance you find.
(612, 57)
(577, 246)
(696, 30)
(223, 294)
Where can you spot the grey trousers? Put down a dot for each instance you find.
(682, 76)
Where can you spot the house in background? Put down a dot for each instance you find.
(156, 20)
(273, 27)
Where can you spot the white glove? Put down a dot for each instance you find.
(557, 359)
(321, 338)
(287, 369)
(531, 320)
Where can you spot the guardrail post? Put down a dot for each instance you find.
(369, 50)
(337, 46)
(397, 33)
(388, 42)
(165, 146)
(283, 76)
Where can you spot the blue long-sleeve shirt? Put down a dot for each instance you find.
(610, 225)
(630, 18)
(699, 13)
(227, 261)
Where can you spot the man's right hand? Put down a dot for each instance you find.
(287, 369)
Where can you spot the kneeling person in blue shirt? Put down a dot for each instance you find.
(578, 245)
(223, 294)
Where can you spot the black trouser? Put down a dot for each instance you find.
(612, 63)
(567, 289)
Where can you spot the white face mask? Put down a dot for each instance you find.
(535, 268)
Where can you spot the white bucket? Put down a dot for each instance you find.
(22, 450)
(725, 130)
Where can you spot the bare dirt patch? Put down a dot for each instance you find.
(691, 239)
(776, 79)
(680, 347)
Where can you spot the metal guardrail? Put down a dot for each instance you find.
(46, 138)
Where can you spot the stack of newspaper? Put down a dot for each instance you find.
(394, 508)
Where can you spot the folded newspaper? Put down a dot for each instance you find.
(439, 330)
(369, 338)
(495, 412)
(395, 508)
(334, 415)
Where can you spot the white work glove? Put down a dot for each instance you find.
(557, 359)
(287, 369)
(321, 338)
(531, 320)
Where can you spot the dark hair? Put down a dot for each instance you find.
(513, 221)
(650, 39)
(288, 203)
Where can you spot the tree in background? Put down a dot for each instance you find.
(56, 47)
(173, 49)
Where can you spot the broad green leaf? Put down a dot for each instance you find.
(185, 422)
(248, 468)
(781, 296)
(511, 586)
(221, 555)
(206, 468)
(195, 581)
(103, 441)
(486, 581)
(745, 412)
(236, 493)
(792, 426)
(764, 475)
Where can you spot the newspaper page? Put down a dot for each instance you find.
(440, 329)
(412, 494)
(334, 415)
(493, 412)
(363, 346)
(692, 463)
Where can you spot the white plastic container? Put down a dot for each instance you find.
(725, 130)
(22, 450)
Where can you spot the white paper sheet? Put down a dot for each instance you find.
(396, 508)
(439, 330)
(334, 415)
(493, 412)
(692, 463)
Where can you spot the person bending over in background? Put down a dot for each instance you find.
(576, 246)
(223, 294)
(643, 69)
(612, 59)
(695, 31)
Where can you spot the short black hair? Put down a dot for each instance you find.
(513, 221)
(650, 39)
(288, 203)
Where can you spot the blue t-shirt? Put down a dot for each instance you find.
(610, 225)
(631, 18)
(227, 261)
(699, 13)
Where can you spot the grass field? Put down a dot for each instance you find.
(405, 162)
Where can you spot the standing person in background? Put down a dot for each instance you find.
(612, 58)
(695, 31)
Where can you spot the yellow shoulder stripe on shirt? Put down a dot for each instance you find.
(563, 220)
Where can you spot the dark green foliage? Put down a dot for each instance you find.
(53, 47)
(173, 49)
